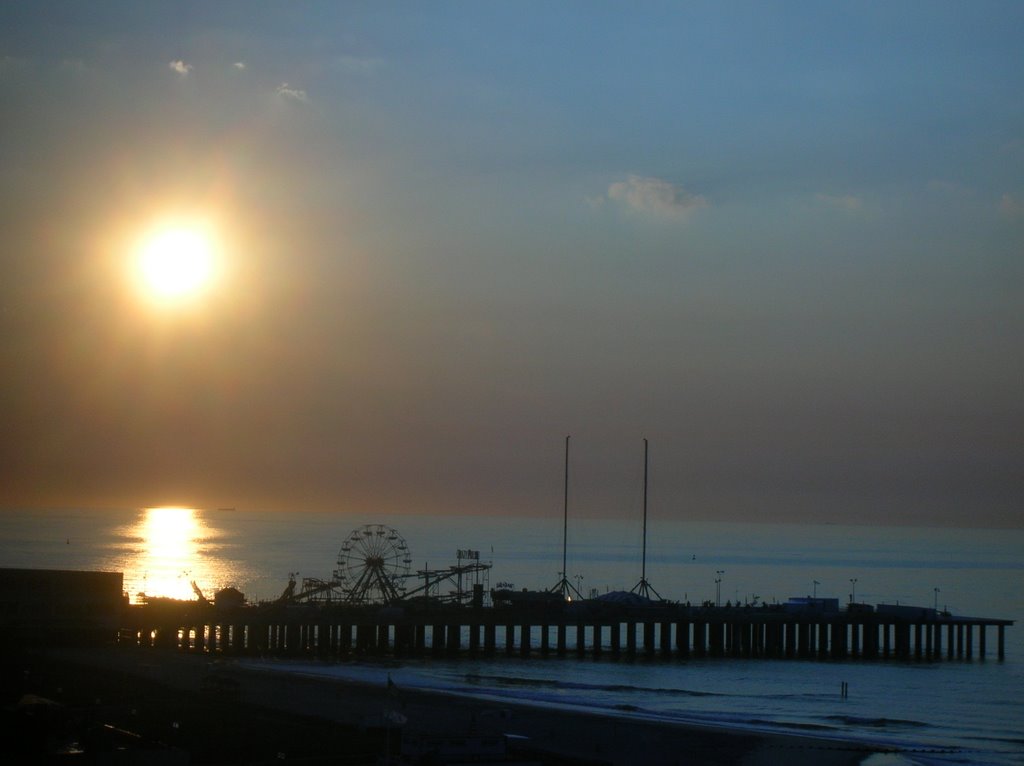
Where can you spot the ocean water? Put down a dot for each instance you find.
(944, 712)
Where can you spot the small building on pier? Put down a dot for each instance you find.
(802, 604)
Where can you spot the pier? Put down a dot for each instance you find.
(368, 609)
(90, 608)
(659, 631)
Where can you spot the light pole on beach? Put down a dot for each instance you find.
(718, 587)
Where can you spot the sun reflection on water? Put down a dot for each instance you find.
(169, 549)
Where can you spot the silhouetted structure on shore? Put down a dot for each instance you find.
(55, 606)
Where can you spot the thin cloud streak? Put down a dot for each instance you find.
(295, 94)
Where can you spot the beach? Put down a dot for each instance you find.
(223, 711)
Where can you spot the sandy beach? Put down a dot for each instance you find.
(223, 711)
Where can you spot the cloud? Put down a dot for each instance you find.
(847, 202)
(655, 196)
(180, 67)
(287, 91)
(1011, 207)
(239, 65)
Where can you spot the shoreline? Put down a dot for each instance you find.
(333, 709)
(627, 713)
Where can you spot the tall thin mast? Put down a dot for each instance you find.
(563, 586)
(643, 565)
(644, 588)
(565, 510)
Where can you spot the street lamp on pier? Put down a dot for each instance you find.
(936, 599)
(853, 589)
(815, 589)
(718, 586)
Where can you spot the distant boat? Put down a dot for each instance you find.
(226, 509)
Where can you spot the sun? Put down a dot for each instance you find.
(177, 261)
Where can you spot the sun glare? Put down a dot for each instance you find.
(168, 552)
(177, 262)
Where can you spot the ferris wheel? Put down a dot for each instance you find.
(373, 563)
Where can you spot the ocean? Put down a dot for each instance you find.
(943, 712)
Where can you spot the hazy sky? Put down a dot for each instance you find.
(782, 241)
